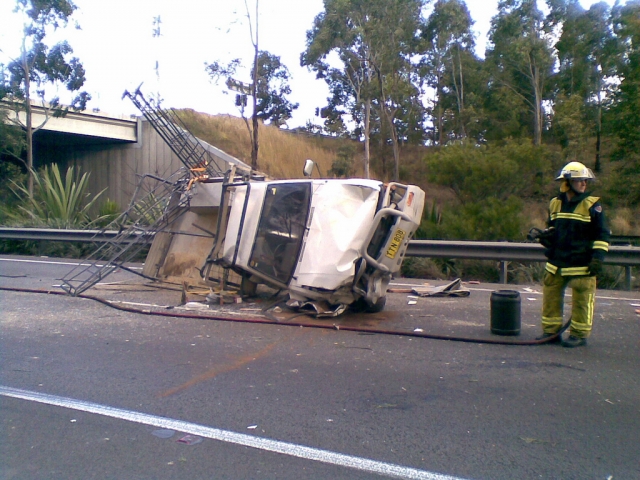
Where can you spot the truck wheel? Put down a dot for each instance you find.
(361, 305)
(378, 306)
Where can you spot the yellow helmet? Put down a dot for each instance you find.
(575, 171)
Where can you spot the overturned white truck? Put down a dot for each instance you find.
(331, 243)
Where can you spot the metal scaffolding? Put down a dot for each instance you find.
(156, 203)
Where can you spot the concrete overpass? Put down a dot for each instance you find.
(83, 127)
(115, 149)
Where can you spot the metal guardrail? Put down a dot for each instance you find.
(503, 252)
(508, 251)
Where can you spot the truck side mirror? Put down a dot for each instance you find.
(308, 168)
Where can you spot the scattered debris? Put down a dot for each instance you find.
(399, 290)
(223, 297)
(318, 308)
(252, 427)
(452, 289)
(533, 440)
(418, 330)
(196, 306)
(190, 440)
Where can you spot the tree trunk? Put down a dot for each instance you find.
(367, 137)
(597, 167)
(440, 121)
(396, 155)
(29, 124)
(537, 90)
(459, 92)
(254, 93)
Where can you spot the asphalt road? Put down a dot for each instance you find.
(88, 391)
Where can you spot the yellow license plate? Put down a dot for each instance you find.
(396, 241)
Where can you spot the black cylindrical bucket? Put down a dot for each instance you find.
(505, 312)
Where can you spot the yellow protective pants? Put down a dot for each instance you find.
(582, 305)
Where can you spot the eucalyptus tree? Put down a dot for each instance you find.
(520, 57)
(396, 40)
(587, 51)
(375, 42)
(217, 70)
(12, 141)
(626, 107)
(37, 66)
(343, 28)
(272, 89)
(449, 58)
(270, 102)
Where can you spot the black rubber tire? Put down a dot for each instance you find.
(361, 305)
(378, 307)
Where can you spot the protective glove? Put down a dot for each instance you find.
(595, 267)
(546, 237)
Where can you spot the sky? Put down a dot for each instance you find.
(119, 51)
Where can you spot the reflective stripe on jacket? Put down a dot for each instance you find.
(580, 234)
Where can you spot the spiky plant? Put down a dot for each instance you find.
(58, 202)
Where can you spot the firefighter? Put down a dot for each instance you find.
(576, 243)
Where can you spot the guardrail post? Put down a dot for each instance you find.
(627, 278)
(504, 271)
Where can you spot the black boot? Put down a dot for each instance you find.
(544, 336)
(572, 342)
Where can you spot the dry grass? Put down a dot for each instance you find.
(625, 221)
(281, 153)
(535, 214)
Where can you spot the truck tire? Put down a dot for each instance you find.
(361, 305)
(378, 306)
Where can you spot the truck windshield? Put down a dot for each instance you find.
(281, 230)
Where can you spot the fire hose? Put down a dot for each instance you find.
(270, 320)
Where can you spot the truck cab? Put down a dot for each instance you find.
(333, 241)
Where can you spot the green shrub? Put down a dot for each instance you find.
(57, 202)
(342, 166)
(109, 211)
(489, 219)
(476, 172)
(419, 267)
(9, 173)
(431, 219)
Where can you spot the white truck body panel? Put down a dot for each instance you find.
(340, 221)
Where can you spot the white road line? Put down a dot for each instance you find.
(291, 449)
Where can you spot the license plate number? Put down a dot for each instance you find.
(396, 241)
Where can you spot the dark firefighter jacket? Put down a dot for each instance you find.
(580, 234)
